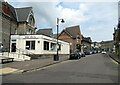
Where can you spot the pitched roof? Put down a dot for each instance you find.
(13, 14)
(105, 42)
(86, 39)
(17, 14)
(23, 13)
(73, 31)
(10, 10)
(47, 32)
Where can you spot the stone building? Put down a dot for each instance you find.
(73, 36)
(15, 21)
(116, 34)
(107, 45)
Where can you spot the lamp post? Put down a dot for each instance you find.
(62, 21)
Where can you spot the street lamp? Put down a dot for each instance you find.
(62, 21)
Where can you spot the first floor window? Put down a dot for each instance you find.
(30, 45)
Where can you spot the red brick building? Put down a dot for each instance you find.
(73, 36)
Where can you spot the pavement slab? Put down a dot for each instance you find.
(7, 70)
(24, 66)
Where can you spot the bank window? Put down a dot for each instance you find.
(59, 47)
(46, 45)
(30, 45)
(53, 47)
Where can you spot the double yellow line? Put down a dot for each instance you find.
(114, 61)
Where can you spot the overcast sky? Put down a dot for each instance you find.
(96, 19)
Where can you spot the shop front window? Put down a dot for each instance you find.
(46, 45)
(59, 47)
(30, 45)
(53, 47)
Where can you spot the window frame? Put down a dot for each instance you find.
(31, 45)
(46, 45)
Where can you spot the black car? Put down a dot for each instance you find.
(87, 52)
(75, 55)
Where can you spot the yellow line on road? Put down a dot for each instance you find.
(37, 69)
(114, 61)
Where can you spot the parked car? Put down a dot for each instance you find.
(90, 52)
(99, 51)
(86, 52)
(75, 55)
(82, 54)
(103, 52)
(94, 51)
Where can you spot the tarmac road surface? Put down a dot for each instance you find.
(96, 68)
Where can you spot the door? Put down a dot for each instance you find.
(13, 47)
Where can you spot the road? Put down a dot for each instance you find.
(96, 68)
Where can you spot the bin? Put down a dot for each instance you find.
(56, 58)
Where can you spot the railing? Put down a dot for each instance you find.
(16, 56)
(19, 54)
(24, 52)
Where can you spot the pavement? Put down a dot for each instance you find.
(24, 66)
(114, 57)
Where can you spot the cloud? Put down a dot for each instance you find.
(72, 16)
(46, 14)
(64, 0)
(103, 18)
(96, 20)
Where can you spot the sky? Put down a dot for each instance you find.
(96, 19)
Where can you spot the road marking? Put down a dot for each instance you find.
(114, 61)
(7, 70)
(38, 69)
(42, 68)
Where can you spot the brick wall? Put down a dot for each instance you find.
(65, 37)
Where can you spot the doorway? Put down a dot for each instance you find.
(13, 47)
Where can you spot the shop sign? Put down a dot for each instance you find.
(30, 36)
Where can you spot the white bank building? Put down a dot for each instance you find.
(38, 44)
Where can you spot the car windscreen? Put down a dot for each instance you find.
(72, 53)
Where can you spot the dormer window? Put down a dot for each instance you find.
(31, 21)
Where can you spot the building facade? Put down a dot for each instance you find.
(73, 36)
(107, 45)
(15, 21)
(86, 43)
(38, 44)
(116, 34)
